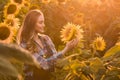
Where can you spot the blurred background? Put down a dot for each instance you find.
(97, 18)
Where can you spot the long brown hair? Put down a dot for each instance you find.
(26, 31)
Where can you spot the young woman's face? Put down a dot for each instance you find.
(39, 26)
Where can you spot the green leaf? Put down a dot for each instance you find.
(65, 61)
(112, 74)
(96, 64)
(112, 51)
(7, 69)
(69, 76)
(83, 77)
(14, 52)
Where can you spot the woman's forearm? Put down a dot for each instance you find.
(65, 50)
(55, 56)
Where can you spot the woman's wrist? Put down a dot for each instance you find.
(65, 50)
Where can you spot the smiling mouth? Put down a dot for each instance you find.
(42, 30)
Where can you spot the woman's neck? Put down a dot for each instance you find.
(37, 40)
(35, 36)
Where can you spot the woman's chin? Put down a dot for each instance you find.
(41, 31)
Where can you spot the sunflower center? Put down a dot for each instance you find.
(4, 33)
(73, 34)
(26, 4)
(11, 9)
(67, 32)
(99, 44)
(18, 1)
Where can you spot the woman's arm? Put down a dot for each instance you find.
(69, 46)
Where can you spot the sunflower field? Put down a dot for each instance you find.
(95, 23)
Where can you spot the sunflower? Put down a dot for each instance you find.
(99, 43)
(34, 6)
(11, 9)
(71, 31)
(6, 33)
(20, 2)
(26, 3)
(13, 22)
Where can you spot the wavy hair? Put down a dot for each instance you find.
(27, 29)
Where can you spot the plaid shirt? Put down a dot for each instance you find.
(44, 55)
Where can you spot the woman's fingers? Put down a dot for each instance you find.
(74, 42)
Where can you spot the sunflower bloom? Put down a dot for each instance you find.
(71, 31)
(26, 3)
(13, 23)
(20, 2)
(6, 33)
(33, 6)
(11, 9)
(99, 44)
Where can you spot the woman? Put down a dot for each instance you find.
(31, 38)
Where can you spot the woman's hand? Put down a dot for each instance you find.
(72, 44)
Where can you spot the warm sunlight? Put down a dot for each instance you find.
(59, 39)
